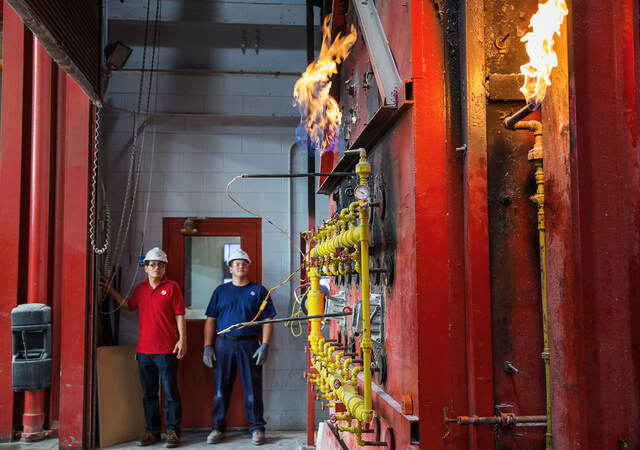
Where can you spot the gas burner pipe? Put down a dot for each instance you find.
(535, 155)
(510, 122)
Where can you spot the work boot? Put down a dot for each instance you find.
(214, 437)
(257, 437)
(148, 439)
(173, 440)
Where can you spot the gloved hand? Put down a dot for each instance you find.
(261, 354)
(208, 356)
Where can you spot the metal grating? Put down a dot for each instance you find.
(70, 30)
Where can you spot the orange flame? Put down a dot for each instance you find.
(539, 43)
(319, 112)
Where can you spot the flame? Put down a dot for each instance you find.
(319, 113)
(539, 44)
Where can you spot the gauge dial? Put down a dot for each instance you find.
(361, 192)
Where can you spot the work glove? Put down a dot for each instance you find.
(208, 356)
(261, 354)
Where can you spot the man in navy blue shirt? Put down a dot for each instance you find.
(240, 349)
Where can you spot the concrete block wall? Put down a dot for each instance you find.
(248, 126)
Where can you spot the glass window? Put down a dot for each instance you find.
(204, 269)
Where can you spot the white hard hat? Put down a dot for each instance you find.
(238, 254)
(155, 254)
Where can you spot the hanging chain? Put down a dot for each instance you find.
(135, 156)
(94, 179)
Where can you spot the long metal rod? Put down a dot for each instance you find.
(298, 175)
(197, 114)
(497, 420)
(286, 319)
(311, 221)
(205, 72)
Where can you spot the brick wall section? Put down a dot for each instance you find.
(187, 163)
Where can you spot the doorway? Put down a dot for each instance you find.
(197, 250)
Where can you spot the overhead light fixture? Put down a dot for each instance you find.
(116, 55)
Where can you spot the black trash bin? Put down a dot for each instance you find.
(31, 362)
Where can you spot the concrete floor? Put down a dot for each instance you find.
(234, 440)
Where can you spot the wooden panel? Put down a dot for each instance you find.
(120, 409)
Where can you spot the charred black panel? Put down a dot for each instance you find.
(513, 236)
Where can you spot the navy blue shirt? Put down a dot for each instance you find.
(231, 304)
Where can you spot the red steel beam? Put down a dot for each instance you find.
(476, 228)
(432, 225)
(14, 177)
(38, 268)
(57, 242)
(75, 369)
(592, 182)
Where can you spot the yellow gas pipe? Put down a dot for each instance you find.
(334, 379)
(536, 155)
(314, 307)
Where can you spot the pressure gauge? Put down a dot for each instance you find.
(361, 192)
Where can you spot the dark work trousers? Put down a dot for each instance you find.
(232, 355)
(164, 367)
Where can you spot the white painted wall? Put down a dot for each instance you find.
(187, 163)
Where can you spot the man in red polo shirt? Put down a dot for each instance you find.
(161, 342)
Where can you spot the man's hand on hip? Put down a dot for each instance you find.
(261, 354)
(209, 356)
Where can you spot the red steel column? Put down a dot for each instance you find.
(75, 370)
(592, 180)
(38, 269)
(432, 226)
(476, 230)
(14, 176)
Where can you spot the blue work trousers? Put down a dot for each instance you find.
(232, 356)
(164, 368)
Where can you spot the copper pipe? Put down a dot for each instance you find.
(536, 156)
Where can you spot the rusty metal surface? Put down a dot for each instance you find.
(505, 87)
(515, 278)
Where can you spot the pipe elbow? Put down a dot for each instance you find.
(530, 125)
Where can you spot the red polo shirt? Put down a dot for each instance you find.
(158, 309)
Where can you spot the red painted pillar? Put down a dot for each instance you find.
(76, 314)
(38, 268)
(592, 180)
(432, 227)
(14, 178)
